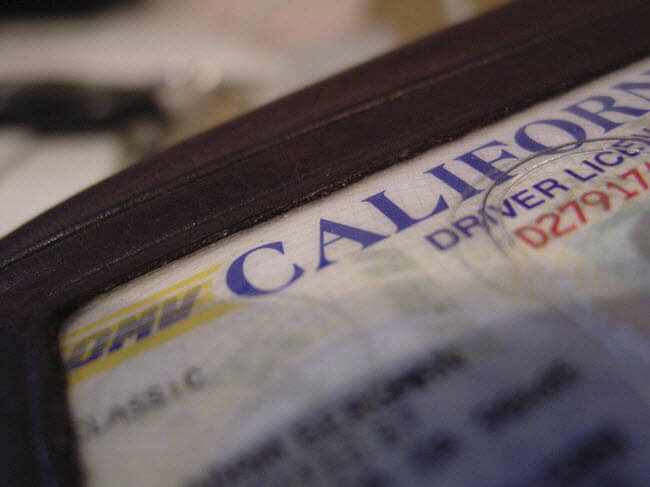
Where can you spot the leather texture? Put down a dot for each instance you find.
(298, 148)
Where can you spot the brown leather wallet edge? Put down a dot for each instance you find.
(292, 151)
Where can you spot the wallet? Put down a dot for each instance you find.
(285, 154)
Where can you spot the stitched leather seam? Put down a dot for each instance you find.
(239, 157)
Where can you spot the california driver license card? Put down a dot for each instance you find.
(477, 315)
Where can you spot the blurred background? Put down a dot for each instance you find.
(89, 87)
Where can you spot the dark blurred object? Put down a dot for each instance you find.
(55, 107)
(35, 8)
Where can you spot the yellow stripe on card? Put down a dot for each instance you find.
(132, 307)
(213, 310)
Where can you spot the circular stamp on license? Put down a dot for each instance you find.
(566, 202)
(572, 226)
